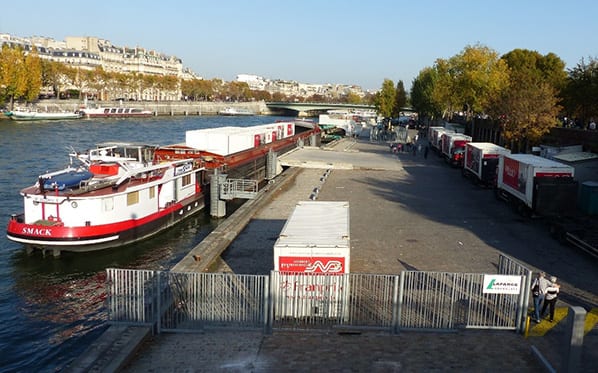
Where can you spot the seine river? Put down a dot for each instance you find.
(52, 309)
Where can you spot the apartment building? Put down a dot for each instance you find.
(88, 53)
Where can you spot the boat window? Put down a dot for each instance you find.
(120, 111)
(186, 180)
(108, 204)
(132, 198)
(112, 111)
(106, 111)
(152, 192)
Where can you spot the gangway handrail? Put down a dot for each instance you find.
(239, 188)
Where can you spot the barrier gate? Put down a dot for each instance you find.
(419, 300)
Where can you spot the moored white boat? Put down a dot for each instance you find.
(231, 111)
(115, 112)
(350, 121)
(120, 193)
(30, 115)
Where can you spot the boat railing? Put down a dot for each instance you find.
(238, 188)
(91, 185)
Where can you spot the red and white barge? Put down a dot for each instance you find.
(120, 193)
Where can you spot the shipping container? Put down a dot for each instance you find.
(536, 185)
(314, 241)
(481, 161)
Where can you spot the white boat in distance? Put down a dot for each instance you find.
(350, 121)
(29, 115)
(115, 112)
(231, 111)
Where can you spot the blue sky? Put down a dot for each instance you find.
(317, 41)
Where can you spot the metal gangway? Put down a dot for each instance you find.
(238, 188)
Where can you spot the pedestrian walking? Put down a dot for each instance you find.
(552, 293)
(426, 153)
(539, 286)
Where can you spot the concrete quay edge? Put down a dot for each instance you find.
(203, 256)
(112, 351)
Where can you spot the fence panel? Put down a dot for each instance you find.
(307, 300)
(132, 295)
(510, 266)
(439, 300)
(200, 300)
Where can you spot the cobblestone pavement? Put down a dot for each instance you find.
(418, 214)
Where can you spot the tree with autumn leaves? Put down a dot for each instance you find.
(20, 75)
(528, 106)
(520, 89)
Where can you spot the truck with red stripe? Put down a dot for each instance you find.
(481, 162)
(535, 185)
(452, 146)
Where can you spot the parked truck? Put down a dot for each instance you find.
(481, 162)
(453, 147)
(435, 140)
(536, 185)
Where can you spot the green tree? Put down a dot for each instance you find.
(526, 112)
(50, 75)
(528, 107)
(400, 98)
(422, 93)
(352, 98)
(581, 90)
(385, 98)
(469, 80)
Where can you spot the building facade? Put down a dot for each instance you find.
(89, 53)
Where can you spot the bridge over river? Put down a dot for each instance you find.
(307, 109)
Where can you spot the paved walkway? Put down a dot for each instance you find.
(218, 351)
(401, 218)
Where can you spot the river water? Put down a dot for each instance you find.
(52, 309)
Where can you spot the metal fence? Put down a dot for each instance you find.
(412, 300)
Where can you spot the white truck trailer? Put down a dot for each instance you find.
(453, 147)
(536, 185)
(311, 256)
(481, 162)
